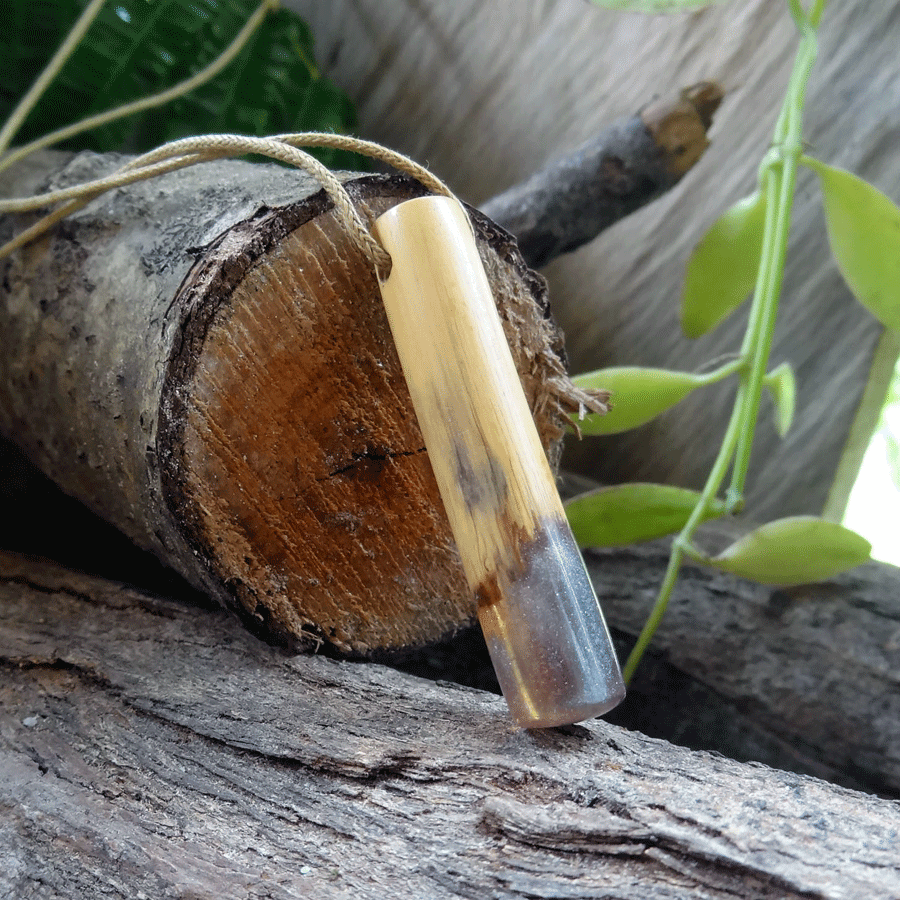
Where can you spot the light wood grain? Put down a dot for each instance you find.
(543, 626)
(484, 449)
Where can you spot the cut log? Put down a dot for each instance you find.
(152, 748)
(205, 360)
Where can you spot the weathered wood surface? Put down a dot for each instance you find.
(631, 162)
(153, 748)
(205, 360)
(808, 677)
(487, 92)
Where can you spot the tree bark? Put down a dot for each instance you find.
(154, 748)
(205, 361)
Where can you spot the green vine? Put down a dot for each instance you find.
(744, 251)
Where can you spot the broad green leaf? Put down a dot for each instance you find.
(637, 395)
(656, 6)
(783, 387)
(135, 48)
(864, 232)
(721, 272)
(796, 550)
(628, 513)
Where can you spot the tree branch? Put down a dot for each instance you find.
(627, 165)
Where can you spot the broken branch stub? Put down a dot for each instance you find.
(625, 166)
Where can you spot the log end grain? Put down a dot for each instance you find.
(291, 456)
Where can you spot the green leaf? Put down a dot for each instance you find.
(135, 48)
(796, 550)
(722, 270)
(638, 395)
(783, 387)
(864, 232)
(656, 6)
(628, 513)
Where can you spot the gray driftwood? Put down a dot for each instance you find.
(152, 748)
(803, 679)
(631, 162)
(487, 92)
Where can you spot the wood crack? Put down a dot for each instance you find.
(371, 456)
(99, 600)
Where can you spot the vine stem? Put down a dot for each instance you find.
(778, 173)
(781, 185)
(682, 543)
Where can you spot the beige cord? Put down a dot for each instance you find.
(84, 194)
(374, 151)
(189, 151)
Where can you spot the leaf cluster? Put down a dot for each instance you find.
(136, 48)
(864, 234)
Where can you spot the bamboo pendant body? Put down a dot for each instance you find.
(537, 608)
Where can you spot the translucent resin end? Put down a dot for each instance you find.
(546, 634)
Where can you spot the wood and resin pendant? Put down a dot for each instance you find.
(541, 620)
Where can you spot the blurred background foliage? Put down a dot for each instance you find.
(874, 505)
(140, 47)
(889, 425)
